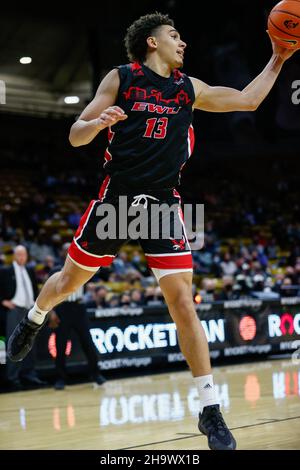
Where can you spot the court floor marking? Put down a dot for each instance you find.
(189, 435)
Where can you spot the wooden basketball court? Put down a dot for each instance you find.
(260, 402)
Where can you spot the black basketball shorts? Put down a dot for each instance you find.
(102, 231)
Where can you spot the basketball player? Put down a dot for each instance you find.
(150, 104)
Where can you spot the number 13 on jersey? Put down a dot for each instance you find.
(156, 128)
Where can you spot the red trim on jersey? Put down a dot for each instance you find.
(107, 156)
(110, 135)
(138, 94)
(84, 219)
(87, 259)
(190, 145)
(174, 261)
(176, 194)
(191, 140)
(136, 68)
(104, 188)
(177, 74)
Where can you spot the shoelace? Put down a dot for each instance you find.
(213, 421)
(27, 331)
(137, 200)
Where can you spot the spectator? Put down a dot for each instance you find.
(114, 301)
(125, 299)
(287, 289)
(243, 285)
(208, 290)
(40, 248)
(88, 295)
(228, 266)
(121, 264)
(153, 297)
(74, 217)
(136, 298)
(227, 292)
(138, 262)
(18, 289)
(99, 298)
(43, 274)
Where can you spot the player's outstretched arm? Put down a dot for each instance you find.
(223, 99)
(99, 113)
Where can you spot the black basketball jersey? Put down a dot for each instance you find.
(148, 150)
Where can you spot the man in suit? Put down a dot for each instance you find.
(18, 289)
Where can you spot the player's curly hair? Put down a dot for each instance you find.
(139, 31)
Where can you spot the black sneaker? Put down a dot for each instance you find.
(59, 384)
(15, 386)
(212, 424)
(22, 339)
(99, 379)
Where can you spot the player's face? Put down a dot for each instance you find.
(169, 46)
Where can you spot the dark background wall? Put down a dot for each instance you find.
(227, 45)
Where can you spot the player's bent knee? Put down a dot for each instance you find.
(185, 324)
(187, 317)
(183, 312)
(182, 302)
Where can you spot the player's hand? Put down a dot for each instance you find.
(111, 116)
(280, 51)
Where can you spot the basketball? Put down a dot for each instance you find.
(284, 24)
